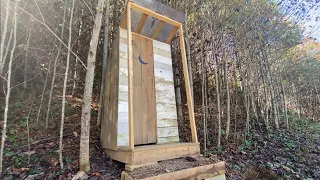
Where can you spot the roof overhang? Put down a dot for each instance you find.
(152, 19)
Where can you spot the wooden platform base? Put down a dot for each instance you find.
(209, 172)
(153, 153)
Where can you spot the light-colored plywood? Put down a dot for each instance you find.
(141, 23)
(172, 33)
(158, 30)
(188, 89)
(154, 14)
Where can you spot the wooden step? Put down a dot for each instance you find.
(214, 171)
(153, 153)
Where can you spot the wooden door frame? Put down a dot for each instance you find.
(177, 27)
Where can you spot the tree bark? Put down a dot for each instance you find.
(3, 38)
(5, 119)
(84, 163)
(65, 87)
(105, 60)
(203, 90)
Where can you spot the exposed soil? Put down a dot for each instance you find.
(172, 165)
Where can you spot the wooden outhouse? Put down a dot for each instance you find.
(139, 123)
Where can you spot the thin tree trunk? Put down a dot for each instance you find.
(5, 119)
(204, 118)
(228, 96)
(25, 74)
(216, 67)
(44, 90)
(105, 60)
(87, 95)
(3, 38)
(285, 105)
(273, 98)
(55, 67)
(28, 130)
(8, 46)
(65, 87)
(186, 37)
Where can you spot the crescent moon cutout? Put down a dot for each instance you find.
(142, 62)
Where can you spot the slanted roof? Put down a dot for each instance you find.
(146, 24)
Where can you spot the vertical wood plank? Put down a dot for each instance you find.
(137, 90)
(144, 89)
(151, 94)
(130, 78)
(187, 84)
(141, 23)
(171, 35)
(158, 30)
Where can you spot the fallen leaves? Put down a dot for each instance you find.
(30, 153)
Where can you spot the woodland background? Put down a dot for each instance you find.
(254, 73)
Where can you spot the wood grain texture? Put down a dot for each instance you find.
(130, 78)
(165, 94)
(157, 31)
(188, 89)
(202, 172)
(141, 23)
(154, 14)
(137, 91)
(153, 153)
(151, 93)
(171, 35)
(109, 123)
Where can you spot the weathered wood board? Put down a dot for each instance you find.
(109, 121)
(208, 172)
(154, 94)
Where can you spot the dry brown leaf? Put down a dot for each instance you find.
(29, 153)
(96, 174)
(75, 134)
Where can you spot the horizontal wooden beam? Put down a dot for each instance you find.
(171, 35)
(158, 30)
(154, 14)
(141, 23)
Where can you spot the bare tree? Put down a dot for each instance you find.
(84, 162)
(65, 87)
(5, 119)
(55, 66)
(105, 59)
(3, 38)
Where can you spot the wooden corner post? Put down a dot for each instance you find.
(130, 77)
(188, 88)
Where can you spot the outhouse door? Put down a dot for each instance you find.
(144, 95)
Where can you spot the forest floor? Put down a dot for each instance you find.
(275, 155)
